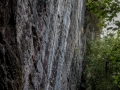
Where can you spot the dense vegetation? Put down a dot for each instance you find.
(102, 64)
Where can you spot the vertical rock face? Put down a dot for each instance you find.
(10, 60)
(42, 44)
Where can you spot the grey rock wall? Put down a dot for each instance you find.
(42, 44)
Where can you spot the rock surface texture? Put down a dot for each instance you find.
(42, 44)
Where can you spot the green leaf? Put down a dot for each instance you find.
(110, 28)
(114, 29)
(117, 24)
(89, 1)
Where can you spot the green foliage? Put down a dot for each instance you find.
(115, 58)
(117, 80)
(102, 70)
(103, 64)
(105, 10)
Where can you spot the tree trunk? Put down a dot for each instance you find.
(42, 44)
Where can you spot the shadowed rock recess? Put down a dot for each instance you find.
(42, 44)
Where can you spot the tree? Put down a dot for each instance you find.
(103, 64)
(102, 58)
(105, 10)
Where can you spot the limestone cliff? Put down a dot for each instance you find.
(42, 44)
